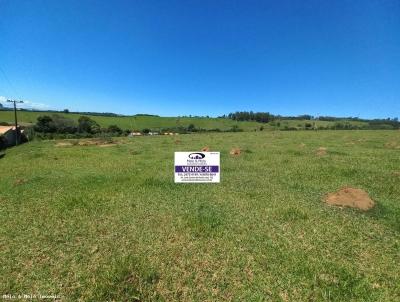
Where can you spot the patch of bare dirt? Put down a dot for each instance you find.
(392, 145)
(205, 149)
(88, 142)
(321, 151)
(19, 181)
(64, 144)
(235, 151)
(350, 197)
(396, 173)
(302, 145)
(178, 141)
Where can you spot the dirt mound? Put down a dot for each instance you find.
(321, 151)
(235, 151)
(350, 197)
(19, 181)
(205, 149)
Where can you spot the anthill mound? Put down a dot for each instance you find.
(321, 151)
(19, 181)
(205, 149)
(350, 197)
(235, 151)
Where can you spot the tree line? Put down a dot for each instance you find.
(49, 126)
(340, 122)
(60, 126)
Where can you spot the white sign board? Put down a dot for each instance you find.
(197, 167)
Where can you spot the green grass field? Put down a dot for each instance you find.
(92, 223)
(156, 123)
(137, 122)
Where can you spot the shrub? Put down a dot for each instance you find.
(114, 129)
(235, 128)
(62, 124)
(44, 124)
(191, 128)
(87, 125)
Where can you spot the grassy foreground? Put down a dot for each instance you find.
(92, 223)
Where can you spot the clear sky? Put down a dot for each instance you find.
(203, 57)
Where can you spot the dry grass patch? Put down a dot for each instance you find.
(101, 142)
(63, 144)
(392, 145)
(321, 151)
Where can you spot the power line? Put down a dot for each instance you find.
(16, 121)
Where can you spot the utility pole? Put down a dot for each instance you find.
(15, 117)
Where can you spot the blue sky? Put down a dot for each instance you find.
(173, 58)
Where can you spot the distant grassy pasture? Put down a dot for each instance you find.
(94, 223)
(156, 123)
(137, 122)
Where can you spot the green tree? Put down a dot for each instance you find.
(87, 125)
(44, 124)
(63, 124)
(114, 129)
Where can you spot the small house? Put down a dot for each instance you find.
(9, 134)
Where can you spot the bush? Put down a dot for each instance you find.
(191, 128)
(87, 125)
(44, 124)
(235, 128)
(62, 124)
(114, 129)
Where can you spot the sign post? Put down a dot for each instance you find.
(197, 167)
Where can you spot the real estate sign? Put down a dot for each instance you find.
(197, 167)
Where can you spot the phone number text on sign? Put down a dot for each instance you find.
(197, 167)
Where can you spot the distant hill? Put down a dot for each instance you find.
(137, 122)
(155, 122)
